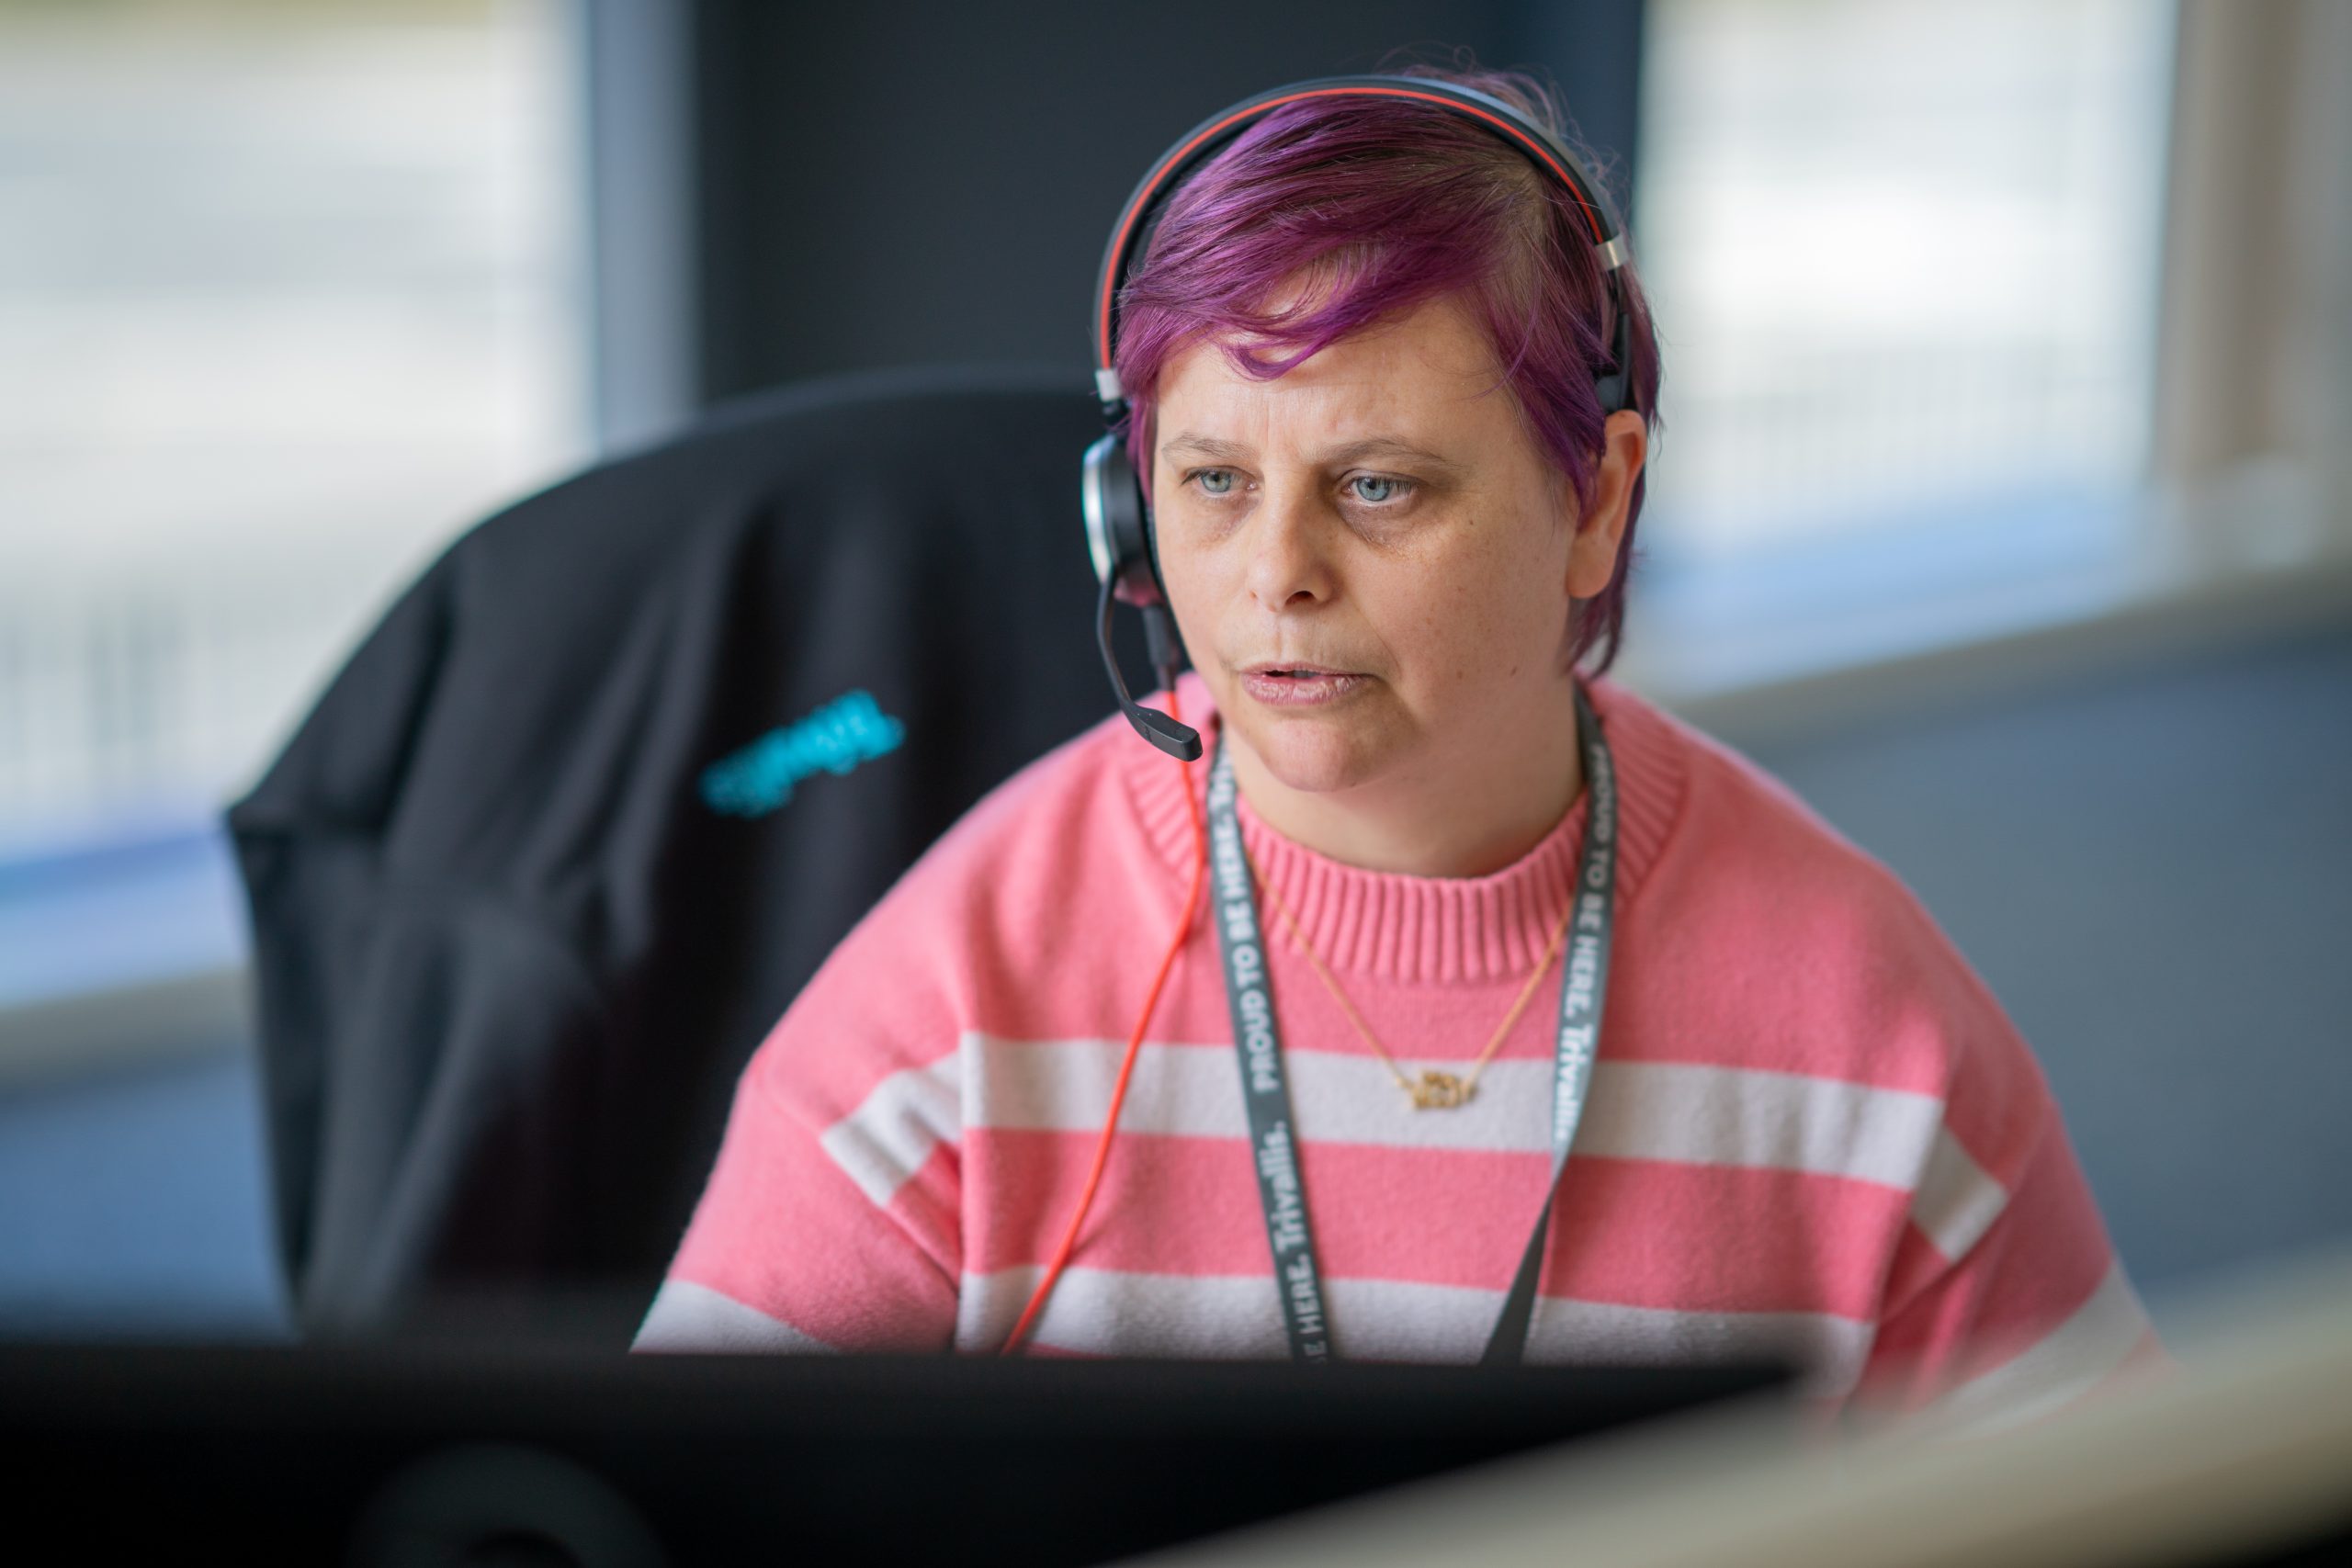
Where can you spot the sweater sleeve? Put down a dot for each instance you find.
(830, 1220)
(1991, 1290)
(2003, 1301)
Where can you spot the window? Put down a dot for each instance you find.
(1904, 258)
(285, 302)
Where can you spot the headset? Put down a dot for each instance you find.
(1118, 518)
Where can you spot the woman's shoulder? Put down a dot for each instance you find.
(1071, 848)
(1100, 794)
(1762, 904)
(1737, 831)
(1040, 871)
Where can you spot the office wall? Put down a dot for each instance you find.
(873, 186)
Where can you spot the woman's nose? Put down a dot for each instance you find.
(1288, 537)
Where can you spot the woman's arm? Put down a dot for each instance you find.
(832, 1220)
(2004, 1299)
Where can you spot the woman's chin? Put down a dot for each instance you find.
(1312, 755)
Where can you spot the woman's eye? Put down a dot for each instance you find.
(1215, 482)
(1378, 488)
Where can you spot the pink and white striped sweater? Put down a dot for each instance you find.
(1810, 1128)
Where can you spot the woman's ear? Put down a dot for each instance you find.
(1592, 557)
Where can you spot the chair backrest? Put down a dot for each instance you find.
(589, 806)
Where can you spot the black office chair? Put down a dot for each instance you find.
(518, 919)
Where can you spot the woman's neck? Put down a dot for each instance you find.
(1446, 819)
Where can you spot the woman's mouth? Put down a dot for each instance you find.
(1298, 685)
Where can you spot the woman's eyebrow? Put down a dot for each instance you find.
(1209, 447)
(1194, 444)
(1387, 446)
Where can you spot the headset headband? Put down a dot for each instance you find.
(1206, 139)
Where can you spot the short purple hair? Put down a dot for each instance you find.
(1385, 203)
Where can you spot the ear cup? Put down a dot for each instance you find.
(1118, 535)
(1614, 386)
(1118, 526)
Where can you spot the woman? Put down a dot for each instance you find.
(1391, 410)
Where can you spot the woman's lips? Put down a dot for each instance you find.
(1299, 686)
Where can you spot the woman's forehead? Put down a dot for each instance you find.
(1426, 379)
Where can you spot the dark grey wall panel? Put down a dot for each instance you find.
(923, 181)
(2153, 870)
(636, 59)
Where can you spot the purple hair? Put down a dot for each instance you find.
(1383, 204)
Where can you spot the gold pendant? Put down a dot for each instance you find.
(1440, 1091)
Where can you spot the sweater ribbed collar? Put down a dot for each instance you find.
(1431, 930)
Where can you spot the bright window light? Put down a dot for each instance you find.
(1905, 261)
(285, 302)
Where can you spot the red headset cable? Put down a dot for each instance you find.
(1127, 1063)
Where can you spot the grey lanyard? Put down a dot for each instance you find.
(1257, 1039)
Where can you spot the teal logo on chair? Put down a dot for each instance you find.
(757, 780)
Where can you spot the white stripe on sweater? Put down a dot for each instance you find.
(2066, 1364)
(1956, 1200)
(886, 1140)
(1107, 1312)
(1658, 1111)
(688, 1318)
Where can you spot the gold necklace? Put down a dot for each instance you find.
(1433, 1091)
